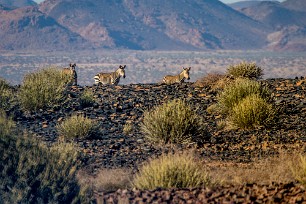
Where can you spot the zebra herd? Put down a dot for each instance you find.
(114, 77)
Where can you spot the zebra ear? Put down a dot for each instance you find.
(124, 66)
(189, 68)
(70, 65)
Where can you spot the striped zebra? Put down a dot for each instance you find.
(71, 74)
(169, 79)
(110, 78)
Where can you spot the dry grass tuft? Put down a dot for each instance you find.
(77, 126)
(179, 170)
(298, 168)
(265, 171)
(112, 179)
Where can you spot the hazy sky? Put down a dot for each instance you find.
(224, 1)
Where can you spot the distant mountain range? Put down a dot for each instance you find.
(288, 20)
(151, 25)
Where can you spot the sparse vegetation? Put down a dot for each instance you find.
(238, 90)
(210, 80)
(277, 168)
(7, 125)
(31, 172)
(41, 89)
(298, 169)
(87, 98)
(127, 128)
(180, 170)
(214, 81)
(6, 94)
(246, 104)
(105, 181)
(246, 70)
(77, 126)
(252, 111)
(173, 122)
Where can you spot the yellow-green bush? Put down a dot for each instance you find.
(173, 122)
(244, 69)
(238, 90)
(6, 94)
(87, 98)
(179, 170)
(252, 111)
(42, 89)
(31, 172)
(77, 126)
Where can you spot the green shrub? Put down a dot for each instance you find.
(247, 70)
(77, 126)
(252, 111)
(7, 125)
(238, 90)
(42, 89)
(172, 171)
(6, 94)
(87, 98)
(172, 122)
(31, 172)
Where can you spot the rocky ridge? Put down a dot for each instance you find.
(116, 106)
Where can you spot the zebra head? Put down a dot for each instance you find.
(185, 72)
(121, 71)
(72, 66)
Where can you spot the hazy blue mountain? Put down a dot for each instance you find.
(28, 28)
(288, 19)
(149, 25)
(17, 3)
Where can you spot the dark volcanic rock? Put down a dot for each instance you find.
(249, 193)
(117, 105)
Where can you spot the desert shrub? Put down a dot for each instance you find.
(77, 126)
(6, 94)
(31, 172)
(252, 111)
(298, 169)
(247, 70)
(127, 128)
(209, 80)
(179, 170)
(238, 90)
(172, 122)
(87, 98)
(7, 125)
(42, 89)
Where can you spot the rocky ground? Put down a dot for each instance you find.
(116, 106)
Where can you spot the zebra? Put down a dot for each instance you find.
(169, 79)
(110, 78)
(71, 74)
